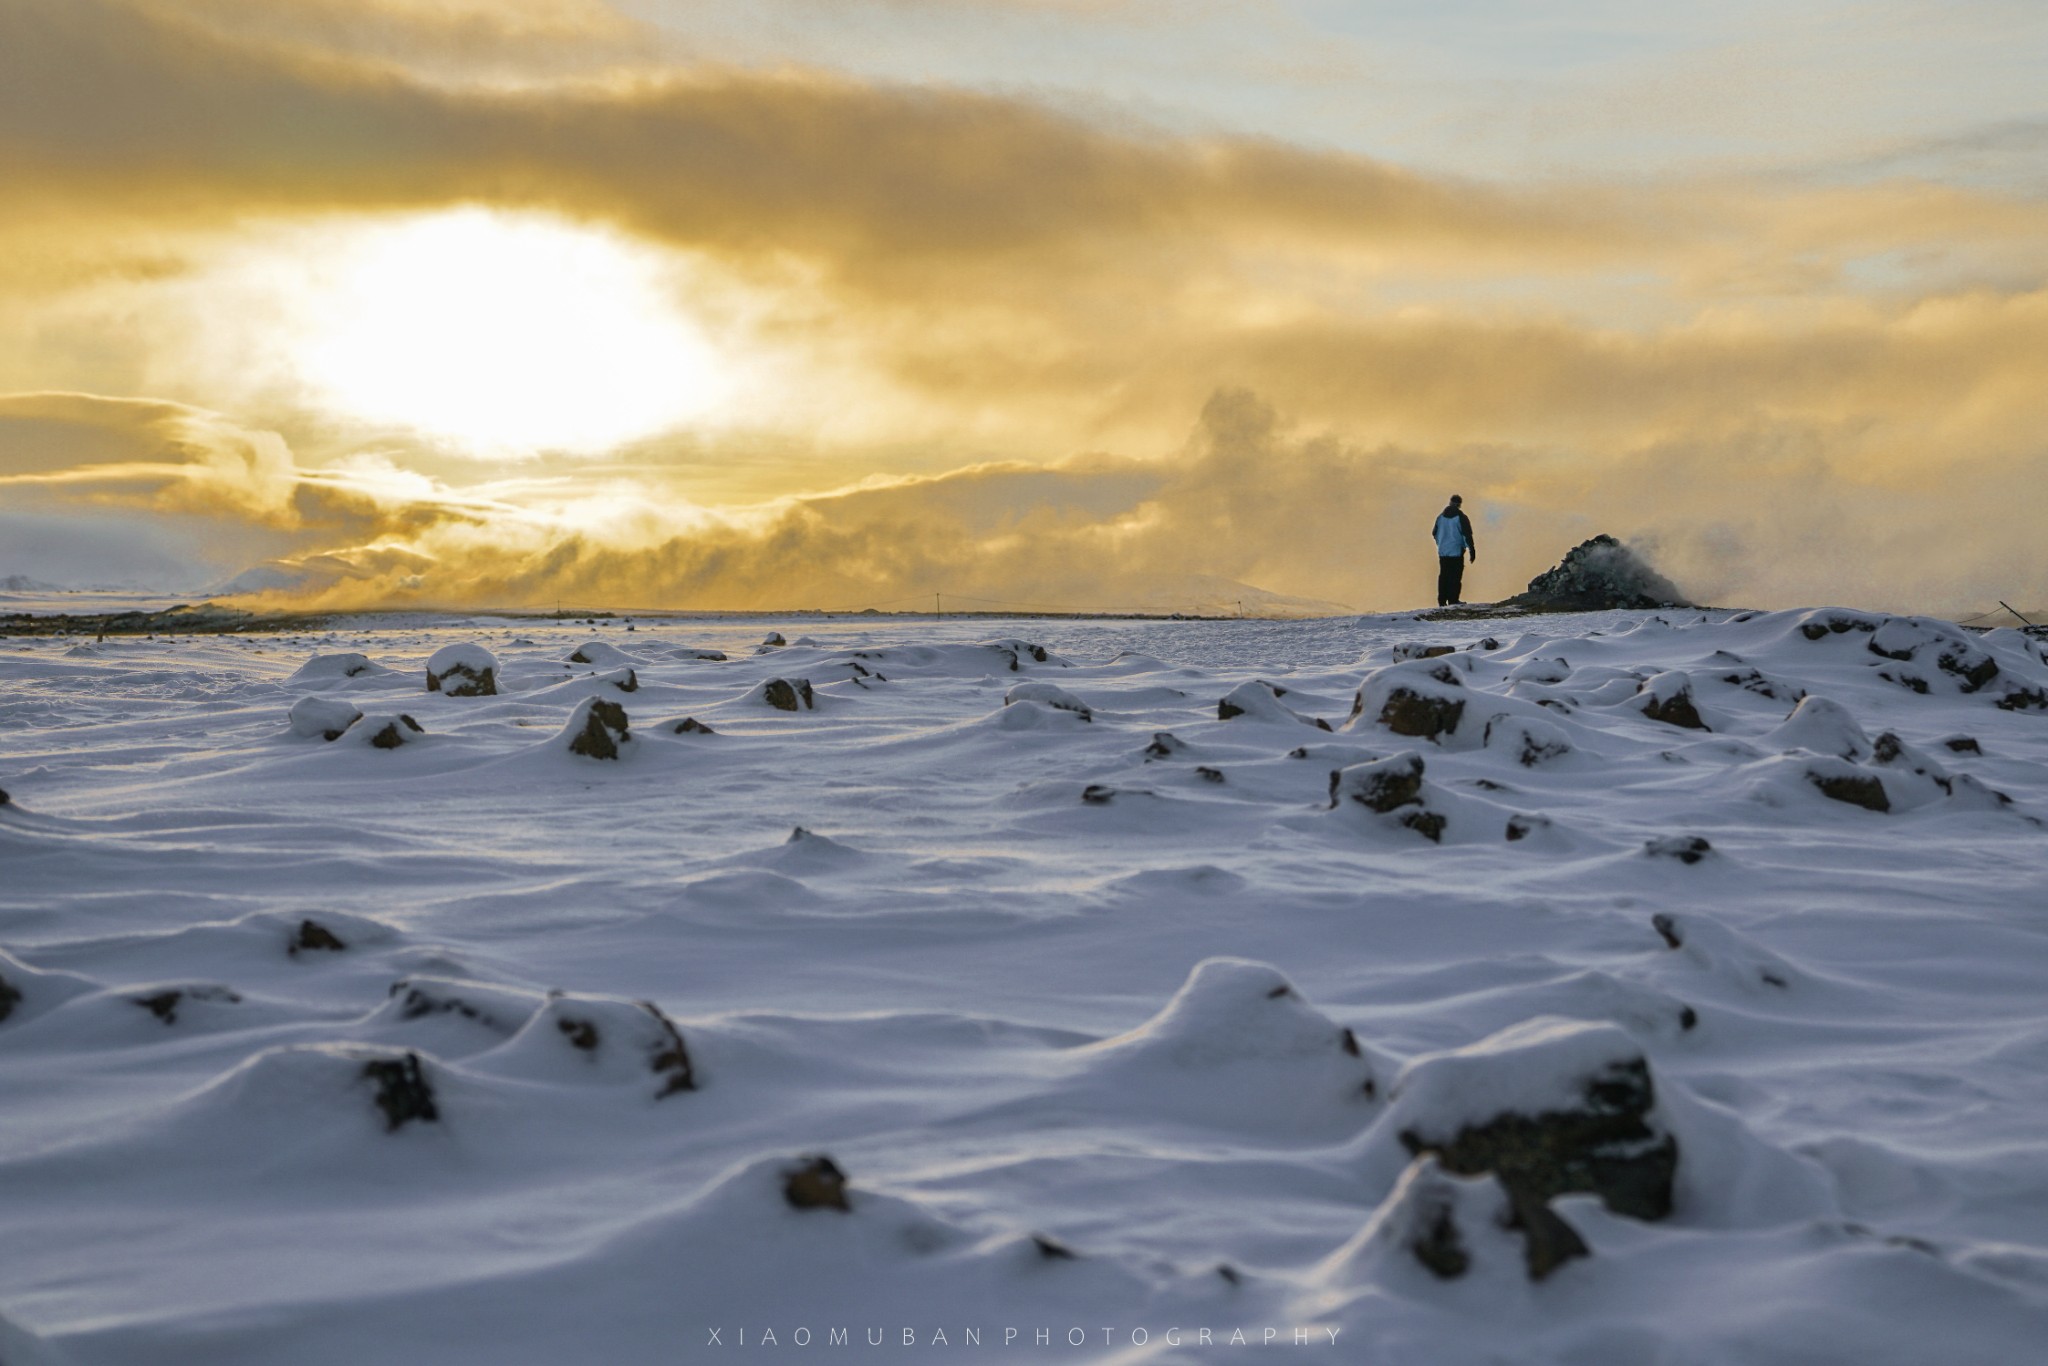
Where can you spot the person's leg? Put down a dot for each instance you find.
(1456, 572)
(1446, 579)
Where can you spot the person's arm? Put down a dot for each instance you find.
(1471, 546)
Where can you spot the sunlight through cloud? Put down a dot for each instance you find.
(503, 335)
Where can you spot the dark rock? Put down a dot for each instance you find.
(1052, 1249)
(783, 695)
(1675, 710)
(1599, 575)
(605, 728)
(1096, 794)
(1404, 652)
(1489, 643)
(774, 640)
(1753, 681)
(817, 1183)
(1438, 1245)
(630, 683)
(1688, 1018)
(669, 1059)
(1207, 774)
(1605, 1146)
(1684, 848)
(1408, 712)
(1835, 625)
(1428, 824)
(1974, 669)
(1165, 744)
(1857, 790)
(1666, 926)
(1229, 1273)
(581, 1034)
(1887, 748)
(1910, 682)
(402, 1091)
(420, 1001)
(690, 725)
(164, 1004)
(2024, 699)
(314, 937)
(10, 997)
(5, 800)
(1381, 786)
(1964, 744)
(391, 736)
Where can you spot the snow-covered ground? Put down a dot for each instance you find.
(1122, 1023)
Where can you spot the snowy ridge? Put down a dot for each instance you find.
(1646, 988)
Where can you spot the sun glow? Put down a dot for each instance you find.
(505, 335)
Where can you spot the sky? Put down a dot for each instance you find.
(1090, 304)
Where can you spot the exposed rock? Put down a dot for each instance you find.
(2024, 699)
(391, 732)
(402, 1091)
(1383, 785)
(313, 937)
(463, 671)
(1408, 712)
(1052, 1249)
(690, 725)
(1967, 744)
(581, 1034)
(1596, 576)
(1684, 848)
(10, 997)
(1666, 926)
(1098, 794)
(816, 1183)
(1165, 744)
(1606, 1144)
(1669, 700)
(774, 640)
(669, 1059)
(597, 729)
(421, 999)
(1207, 774)
(785, 695)
(1418, 651)
(1866, 791)
(164, 1004)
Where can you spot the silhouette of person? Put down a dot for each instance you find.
(1453, 535)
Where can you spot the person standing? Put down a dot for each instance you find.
(1453, 533)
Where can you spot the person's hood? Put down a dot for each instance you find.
(1450, 510)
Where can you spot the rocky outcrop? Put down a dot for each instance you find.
(1597, 576)
(597, 729)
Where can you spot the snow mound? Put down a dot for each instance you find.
(597, 729)
(1424, 699)
(1820, 726)
(1259, 700)
(463, 670)
(585, 1040)
(384, 730)
(1049, 695)
(334, 668)
(1236, 1047)
(603, 656)
(325, 717)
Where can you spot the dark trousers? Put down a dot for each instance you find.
(1450, 579)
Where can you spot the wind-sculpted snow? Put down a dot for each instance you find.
(1644, 988)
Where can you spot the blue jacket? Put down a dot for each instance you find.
(1453, 532)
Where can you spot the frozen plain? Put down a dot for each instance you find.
(1175, 1027)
